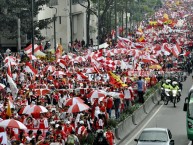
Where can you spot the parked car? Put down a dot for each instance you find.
(155, 136)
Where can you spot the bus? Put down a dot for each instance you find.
(188, 107)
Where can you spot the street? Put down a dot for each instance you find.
(166, 116)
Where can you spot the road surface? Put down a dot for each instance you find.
(168, 117)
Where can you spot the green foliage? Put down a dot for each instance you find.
(87, 140)
(11, 10)
(112, 123)
(139, 10)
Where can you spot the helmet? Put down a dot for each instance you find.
(174, 83)
(168, 81)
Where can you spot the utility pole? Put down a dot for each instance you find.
(126, 19)
(32, 25)
(122, 12)
(98, 40)
(18, 35)
(54, 26)
(55, 32)
(115, 20)
(71, 38)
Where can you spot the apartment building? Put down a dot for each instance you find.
(61, 8)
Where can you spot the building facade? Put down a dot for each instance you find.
(61, 9)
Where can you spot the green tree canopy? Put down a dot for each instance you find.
(11, 10)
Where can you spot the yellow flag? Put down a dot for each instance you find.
(166, 16)
(140, 30)
(117, 80)
(60, 48)
(141, 39)
(153, 22)
(8, 112)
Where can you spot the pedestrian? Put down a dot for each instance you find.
(117, 103)
(110, 136)
(140, 89)
(83, 43)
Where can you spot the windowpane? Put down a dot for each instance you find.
(153, 135)
(53, 3)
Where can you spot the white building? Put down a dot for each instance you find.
(62, 7)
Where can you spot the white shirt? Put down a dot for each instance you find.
(22, 78)
(14, 76)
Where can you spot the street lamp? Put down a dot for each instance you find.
(54, 27)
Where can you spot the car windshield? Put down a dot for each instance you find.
(190, 106)
(154, 136)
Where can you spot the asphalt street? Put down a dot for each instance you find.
(166, 116)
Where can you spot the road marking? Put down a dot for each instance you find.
(144, 125)
(190, 143)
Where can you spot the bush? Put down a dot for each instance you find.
(112, 123)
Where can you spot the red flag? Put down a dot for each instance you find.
(29, 68)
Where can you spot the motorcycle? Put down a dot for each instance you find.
(165, 95)
(171, 95)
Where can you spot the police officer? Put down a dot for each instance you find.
(167, 84)
(176, 87)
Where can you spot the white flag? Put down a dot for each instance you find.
(3, 138)
(13, 86)
(123, 65)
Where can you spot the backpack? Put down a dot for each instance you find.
(71, 140)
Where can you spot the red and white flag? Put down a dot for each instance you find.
(30, 69)
(95, 68)
(62, 63)
(176, 50)
(113, 34)
(9, 70)
(28, 50)
(13, 86)
(166, 48)
(81, 76)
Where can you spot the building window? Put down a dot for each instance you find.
(60, 20)
(76, 1)
(52, 3)
(61, 41)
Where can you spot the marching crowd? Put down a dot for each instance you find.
(60, 105)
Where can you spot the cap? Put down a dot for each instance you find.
(81, 122)
(67, 122)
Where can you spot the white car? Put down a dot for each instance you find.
(155, 136)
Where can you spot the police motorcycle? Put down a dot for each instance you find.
(170, 93)
(165, 91)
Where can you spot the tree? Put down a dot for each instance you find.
(139, 9)
(88, 13)
(11, 10)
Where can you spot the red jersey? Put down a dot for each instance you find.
(62, 133)
(110, 137)
(69, 129)
(109, 103)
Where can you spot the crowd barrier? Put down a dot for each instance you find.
(149, 104)
(127, 126)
